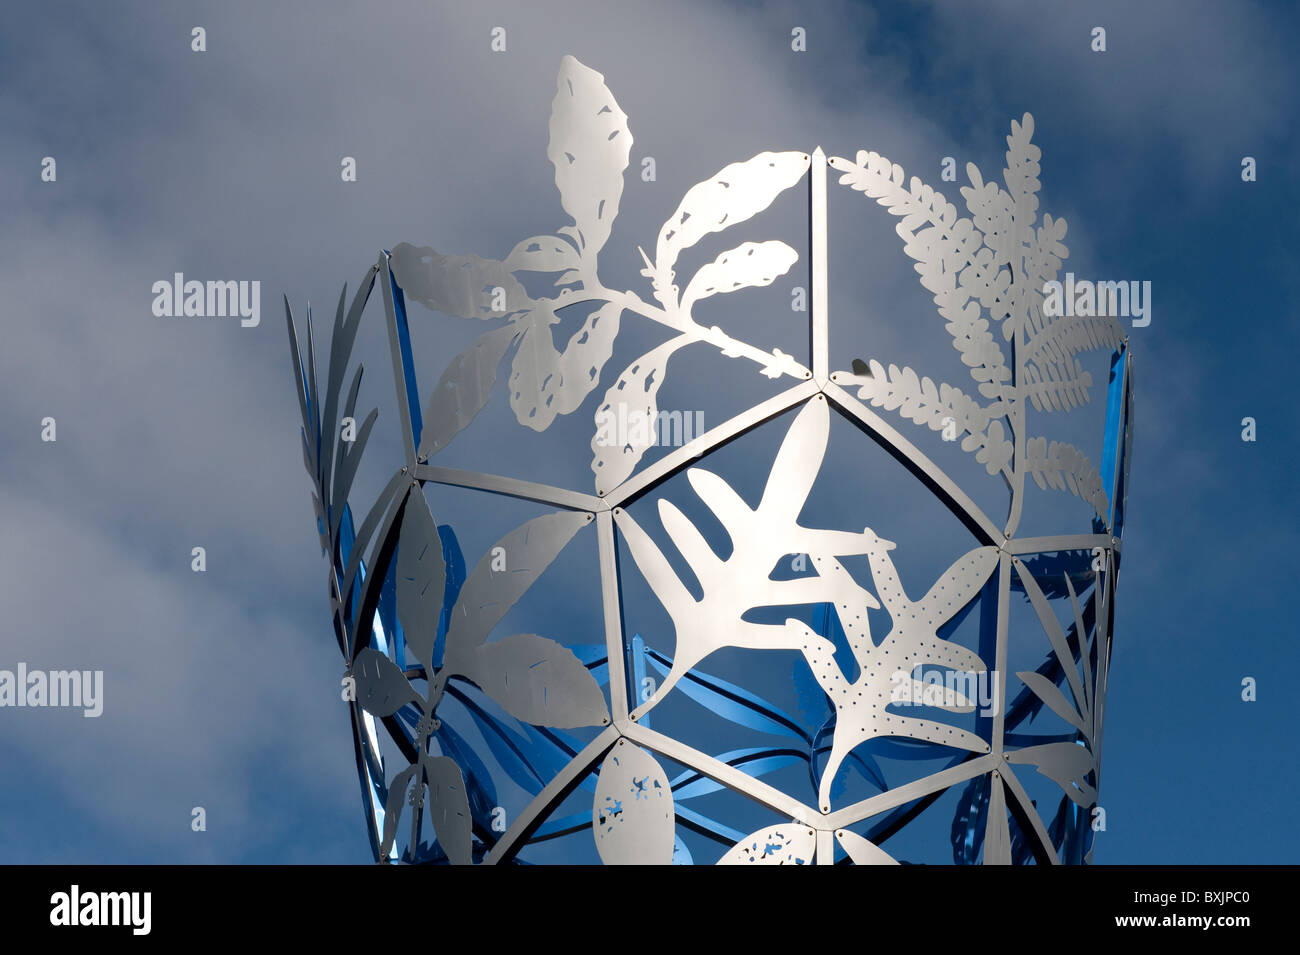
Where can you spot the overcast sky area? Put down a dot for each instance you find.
(221, 688)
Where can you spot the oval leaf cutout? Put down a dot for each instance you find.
(632, 815)
(382, 689)
(787, 844)
(538, 681)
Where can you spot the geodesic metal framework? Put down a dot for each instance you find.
(416, 626)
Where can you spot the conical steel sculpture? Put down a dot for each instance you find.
(527, 747)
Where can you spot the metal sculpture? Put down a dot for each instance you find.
(417, 629)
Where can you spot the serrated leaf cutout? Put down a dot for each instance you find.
(1062, 466)
(943, 248)
(922, 402)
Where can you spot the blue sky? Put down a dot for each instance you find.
(221, 688)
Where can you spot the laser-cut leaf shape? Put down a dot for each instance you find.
(1021, 173)
(344, 337)
(632, 815)
(348, 464)
(545, 382)
(923, 403)
(421, 577)
(320, 522)
(787, 844)
(463, 389)
(750, 265)
(461, 286)
(538, 681)
(1061, 466)
(449, 808)
(382, 689)
(991, 211)
(1081, 708)
(488, 595)
(306, 399)
(589, 147)
(478, 779)
(1044, 255)
(638, 389)
(387, 497)
(1049, 693)
(1087, 705)
(861, 851)
(942, 252)
(736, 193)
(393, 805)
(1066, 764)
(543, 253)
(1050, 356)
(1053, 388)
(760, 537)
(861, 707)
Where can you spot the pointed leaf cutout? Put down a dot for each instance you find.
(589, 148)
(345, 331)
(421, 577)
(463, 389)
(638, 390)
(751, 265)
(347, 472)
(787, 844)
(1066, 764)
(632, 815)
(738, 192)
(393, 808)
(538, 681)
(488, 595)
(457, 285)
(1049, 693)
(382, 689)
(545, 382)
(449, 808)
(861, 851)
